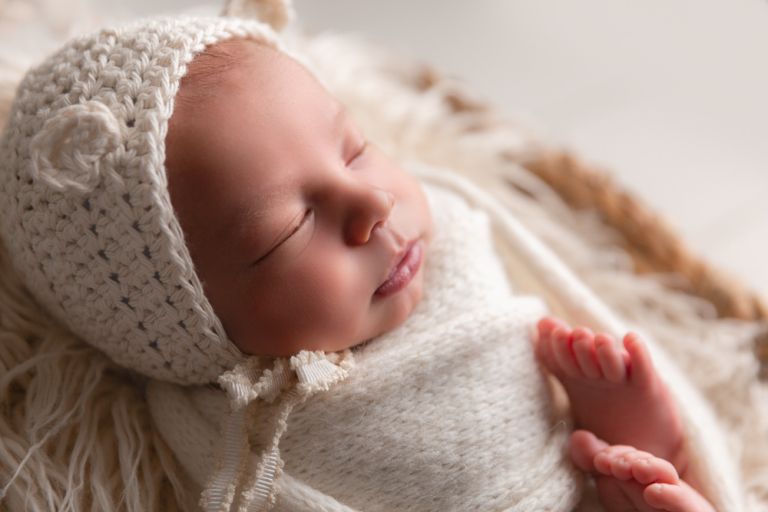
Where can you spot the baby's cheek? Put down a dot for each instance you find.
(335, 296)
(339, 304)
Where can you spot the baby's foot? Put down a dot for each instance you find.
(632, 480)
(614, 392)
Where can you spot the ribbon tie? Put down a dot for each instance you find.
(241, 479)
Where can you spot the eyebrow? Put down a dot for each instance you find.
(247, 214)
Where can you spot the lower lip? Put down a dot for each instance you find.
(404, 272)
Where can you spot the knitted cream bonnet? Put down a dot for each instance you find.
(84, 206)
(87, 219)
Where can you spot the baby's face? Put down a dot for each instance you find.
(293, 221)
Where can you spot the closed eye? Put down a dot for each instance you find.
(307, 215)
(359, 152)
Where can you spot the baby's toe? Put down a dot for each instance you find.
(544, 350)
(605, 458)
(546, 325)
(678, 497)
(623, 465)
(652, 469)
(584, 445)
(584, 349)
(611, 359)
(641, 367)
(561, 346)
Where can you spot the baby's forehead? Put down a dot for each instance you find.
(229, 63)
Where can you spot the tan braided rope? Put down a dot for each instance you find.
(651, 242)
(654, 245)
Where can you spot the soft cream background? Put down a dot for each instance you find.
(671, 95)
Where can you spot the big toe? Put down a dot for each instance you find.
(584, 445)
(547, 325)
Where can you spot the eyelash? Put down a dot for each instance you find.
(307, 213)
(304, 219)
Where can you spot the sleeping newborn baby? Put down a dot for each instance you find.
(333, 255)
(371, 350)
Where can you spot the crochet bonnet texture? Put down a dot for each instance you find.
(84, 206)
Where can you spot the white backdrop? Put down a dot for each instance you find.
(671, 95)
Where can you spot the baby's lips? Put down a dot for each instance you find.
(68, 152)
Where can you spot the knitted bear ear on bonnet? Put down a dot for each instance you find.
(84, 205)
(276, 13)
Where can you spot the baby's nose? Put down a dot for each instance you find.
(372, 209)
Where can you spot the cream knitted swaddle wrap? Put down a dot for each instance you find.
(448, 412)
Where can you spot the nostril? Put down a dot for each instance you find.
(364, 230)
(371, 212)
(379, 225)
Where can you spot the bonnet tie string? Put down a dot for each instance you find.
(239, 473)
